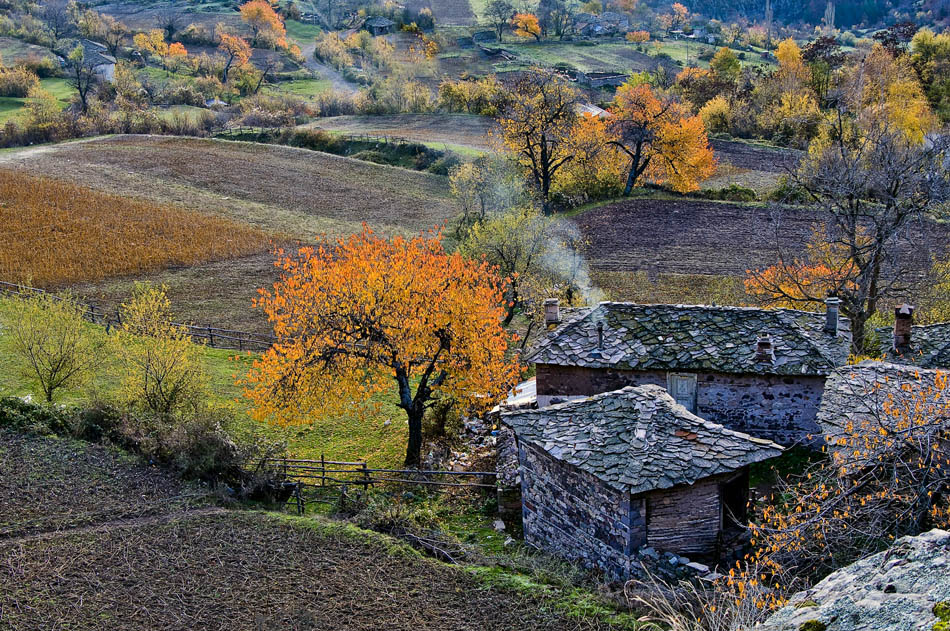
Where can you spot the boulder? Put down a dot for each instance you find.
(896, 590)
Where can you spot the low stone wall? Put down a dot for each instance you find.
(776, 407)
(572, 514)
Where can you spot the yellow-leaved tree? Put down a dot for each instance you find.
(366, 316)
(154, 42)
(526, 25)
(161, 367)
(267, 27)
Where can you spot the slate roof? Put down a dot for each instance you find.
(929, 348)
(95, 54)
(379, 21)
(637, 439)
(857, 394)
(695, 338)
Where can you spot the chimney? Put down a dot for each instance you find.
(600, 335)
(903, 321)
(763, 349)
(552, 312)
(831, 315)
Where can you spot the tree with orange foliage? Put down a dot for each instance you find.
(237, 52)
(364, 316)
(663, 142)
(638, 37)
(526, 25)
(265, 23)
(535, 125)
(677, 18)
(868, 184)
(597, 170)
(154, 42)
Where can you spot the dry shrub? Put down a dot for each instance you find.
(54, 233)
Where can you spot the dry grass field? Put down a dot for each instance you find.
(287, 193)
(281, 190)
(54, 233)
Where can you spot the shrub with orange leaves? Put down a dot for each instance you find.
(887, 475)
(237, 52)
(363, 316)
(638, 37)
(154, 42)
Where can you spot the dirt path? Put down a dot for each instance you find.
(108, 526)
(339, 82)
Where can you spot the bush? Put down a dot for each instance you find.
(17, 82)
(444, 165)
(42, 67)
(787, 193)
(374, 156)
(26, 416)
(733, 193)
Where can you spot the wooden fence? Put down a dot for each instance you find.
(378, 139)
(324, 474)
(108, 317)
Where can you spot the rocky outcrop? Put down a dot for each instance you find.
(906, 588)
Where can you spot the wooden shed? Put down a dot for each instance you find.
(604, 476)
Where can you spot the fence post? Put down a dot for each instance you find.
(323, 471)
(92, 312)
(210, 337)
(365, 478)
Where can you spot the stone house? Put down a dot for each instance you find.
(96, 55)
(379, 25)
(605, 476)
(752, 370)
(923, 346)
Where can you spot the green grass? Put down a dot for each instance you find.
(349, 438)
(302, 33)
(302, 87)
(14, 108)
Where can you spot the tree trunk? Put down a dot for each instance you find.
(414, 446)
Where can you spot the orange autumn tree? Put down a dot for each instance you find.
(526, 25)
(154, 42)
(364, 316)
(662, 140)
(597, 169)
(265, 24)
(237, 53)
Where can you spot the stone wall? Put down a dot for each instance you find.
(572, 514)
(776, 407)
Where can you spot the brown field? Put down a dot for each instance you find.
(447, 12)
(89, 540)
(52, 484)
(453, 130)
(53, 233)
(687, 250)
(281, 190)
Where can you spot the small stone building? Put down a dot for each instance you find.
(760, 371)
(379, 25)
(924, 346)
(605, 476)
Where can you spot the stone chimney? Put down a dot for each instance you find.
(832, 304)
(764, 351)
(903, 321)
(600, 335)
(552, 312)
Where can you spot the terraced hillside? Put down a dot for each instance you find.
(208, 568)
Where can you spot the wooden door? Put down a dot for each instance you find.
(682, 387)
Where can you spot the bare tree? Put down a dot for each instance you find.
(868, 186)
(498, 13)
(170, 20)
(57, 17)
(82, 74)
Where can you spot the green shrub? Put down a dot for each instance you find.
(733, 193)
(373, 156)
(444, 165)
(787, 193)
(813, 625)
(26, 416)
